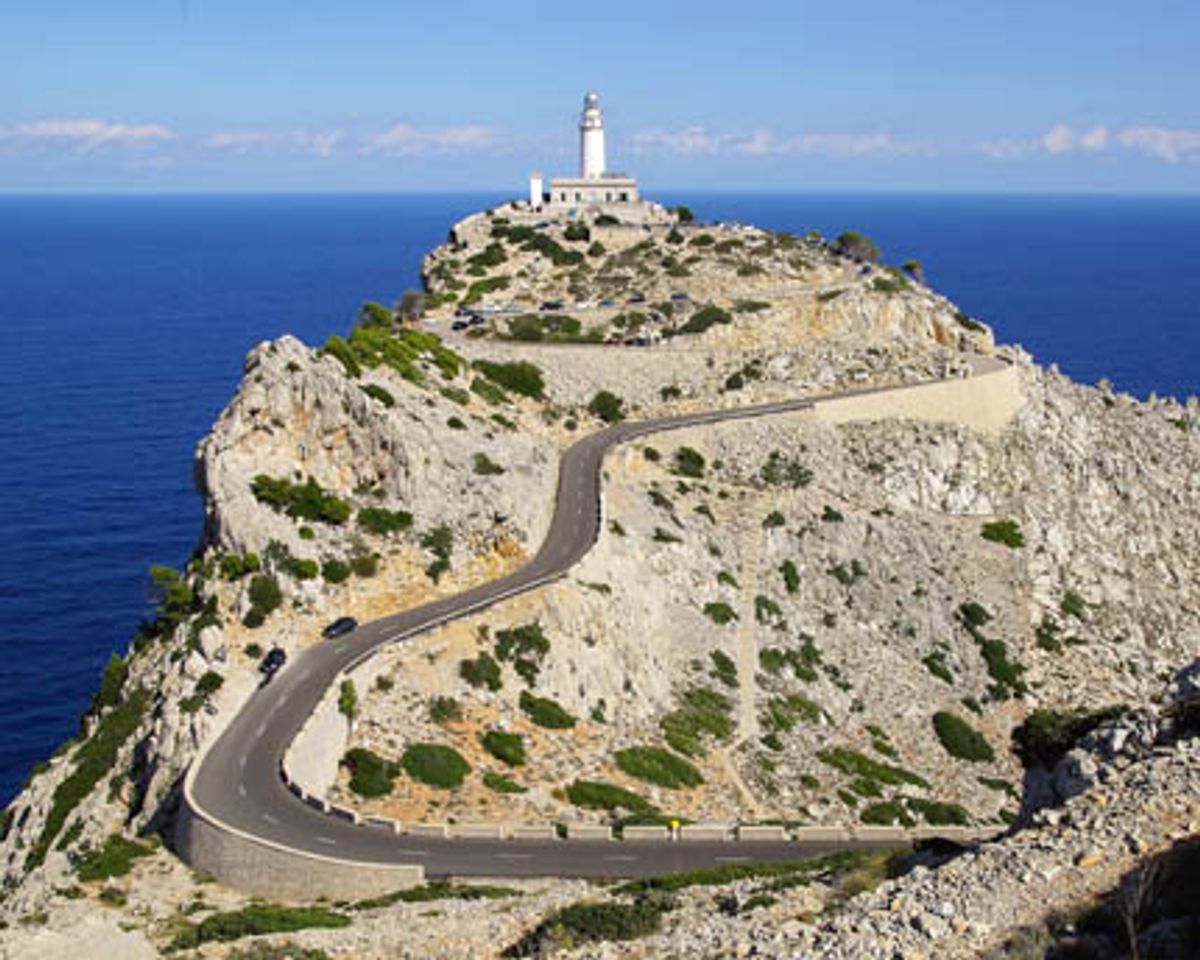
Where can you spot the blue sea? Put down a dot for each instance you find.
(124, 321)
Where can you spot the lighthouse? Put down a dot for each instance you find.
(591, 139)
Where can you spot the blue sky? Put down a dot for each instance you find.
(961, 95)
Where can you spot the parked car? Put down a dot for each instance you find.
(458, 325)
(552, 305)
(272, 662)
(606, 302)
(475, 320)
(340, 627)
(637, 298)
(680, 296)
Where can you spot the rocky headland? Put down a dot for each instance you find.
(890, 621)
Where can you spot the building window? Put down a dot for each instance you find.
(624, 197)
(578, 196)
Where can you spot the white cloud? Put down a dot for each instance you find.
(85, 135)
(698, 140)
(319, 143)
(403, 140)
(1162, 143)
(1166, 144)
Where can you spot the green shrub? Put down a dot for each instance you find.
(254, 920)
(456, 395)
(370, 774)
(235, 566)
(335, 571)
(774, 520)
(720, 613)
(607, 407)
(724, 669)
(440, 542)
(885, 813)
(938, 813)
(382, 522)
(483, 671)
(1007, 532)
(364, 564)
(92, 762)
(508, 748)
(499, 783)
(114, 859)
(658, 766)
(598, 795)
(488, 391)
(858, 765)
(347, 699)
(973, 615)
(831, 515)
(781, 471)
(437, 890)
(376, 392)
(702, 711)
(480, 288)
(576, 232)
(305, 501)
(1073, 605)
(583, 923)
(545, 712)
(444, 709)
(856, 246)
(781, 713)
(520, 377)
(435, 764)
(303, 568)
(791, 576)
(688, 462)
(961, 740)
(704, 318)
(526, 647)
(935, 663)
(339, 349)
(484, 466)
(112, 680)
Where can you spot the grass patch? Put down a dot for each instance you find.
(114, 859)
(855, 764)
(382, 522)
(545, 712)
(724, 669)
(703, 711)
(598, 795)
(499, 783)
(435, 764)
(508, 748)
(438, 890)
(583, 923)
(961, 740)
(370, 774)
(255, 920)
(1007, 532)
(658, 766)
(520, 377)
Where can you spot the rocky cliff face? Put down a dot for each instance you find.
(784, 605)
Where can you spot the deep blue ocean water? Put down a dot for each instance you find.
(124, 321)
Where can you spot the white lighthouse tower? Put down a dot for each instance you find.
(591, 139)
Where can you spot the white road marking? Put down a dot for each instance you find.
(307, 671)
(623, 857)
(262, 728)
(269, 818)
(332, 843)
(733, 859)
(242, 762)
(283, 700)
(241, 790)
(514, 856)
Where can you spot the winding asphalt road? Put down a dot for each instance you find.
(239, 780)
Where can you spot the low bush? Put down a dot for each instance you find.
(858, 765)
(435, 764)
(376, 392)
(598, 795)
(254, 920)
(939, 813)
(1073, 605)
(370, 774)
(774, 520)
(114, 859)
(347, 699)
(658, 766)
(935, 663)
(364, 564)
(704, 318)
(781, 471)
(720, 613)
(607, 406)
(886, 813)
(702, 712)
(335, 571)
(444, 709)
(545, 712)
(1006, 532)
(688, 462)
(724, 669)
(583, 923)
(488, 391)
(485, 466)
(483, 671)
(499, 783)
(520, 377)
(961, 740)
(304, 501)
(265, 597)
(382, 522)
(508, 748)
(791, 576)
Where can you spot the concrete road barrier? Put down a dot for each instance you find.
(706, 831)
(822, 835)
(953, 834)
(880, 834)
(647, 833)
(344, 813)
(478, 831)
(533, 831)
(384, 823)
(440, 830)
(766, 832)
(588, 831)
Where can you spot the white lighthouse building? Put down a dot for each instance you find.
(595, 187)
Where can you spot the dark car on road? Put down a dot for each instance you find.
(458, 325)
(340, 627)
(272, 662)
(552, 305)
